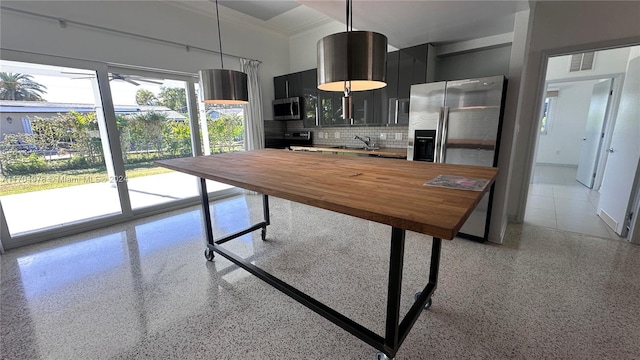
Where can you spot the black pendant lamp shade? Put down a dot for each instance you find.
(222, 86)
(356, 57)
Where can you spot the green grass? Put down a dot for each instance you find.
(44, 181)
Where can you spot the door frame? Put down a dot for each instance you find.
(634, 229)
(608, 125)
(541, 91)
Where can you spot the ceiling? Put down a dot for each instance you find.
(263, 10)
(405, 23)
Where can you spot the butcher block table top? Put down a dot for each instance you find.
(387, 191)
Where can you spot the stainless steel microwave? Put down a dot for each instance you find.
(288, 109)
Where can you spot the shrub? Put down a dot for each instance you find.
(33, 163)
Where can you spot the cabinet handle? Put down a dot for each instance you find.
(286, 87)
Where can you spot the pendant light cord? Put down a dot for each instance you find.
(219, 36)
(349, 21)
(351, 16)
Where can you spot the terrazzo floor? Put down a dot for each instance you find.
(143, 290)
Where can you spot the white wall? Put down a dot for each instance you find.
(562, 143)
(607, 62)
(303, 46)
(560, 27)
(151, 18)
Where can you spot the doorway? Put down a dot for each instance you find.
(575, 124)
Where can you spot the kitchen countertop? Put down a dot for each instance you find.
(382, 152)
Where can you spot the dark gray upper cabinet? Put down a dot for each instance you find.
(330, 108)
(393, 62)
(289, 85)
(308, 81)
(386, 106)
(362, 108)
(380, 106)
(295, 84)
(300, 84)
(411, 69)
(280, 87)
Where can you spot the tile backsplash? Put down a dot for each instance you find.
(344, 135)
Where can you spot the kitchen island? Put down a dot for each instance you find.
(381, 190)
(399, 153)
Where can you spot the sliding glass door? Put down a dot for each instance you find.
(53, 142)
(222, 131)
(153, 123)
(78, 142)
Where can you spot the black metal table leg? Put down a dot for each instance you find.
(265, 213)
(206, 217)
(435, 262)
(396, 258)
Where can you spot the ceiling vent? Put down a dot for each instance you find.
(582, 62)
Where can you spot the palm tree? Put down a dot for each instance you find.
(15, 86)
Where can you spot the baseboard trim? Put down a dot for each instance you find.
(557, 165)
(608, 220)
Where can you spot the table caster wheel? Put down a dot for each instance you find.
(263, 234)
(208, 254)
(417, 295)
(381, 356)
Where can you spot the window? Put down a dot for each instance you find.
(545, 122)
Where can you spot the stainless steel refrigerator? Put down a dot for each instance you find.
(459, 122)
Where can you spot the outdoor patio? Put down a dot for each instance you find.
(57, 207)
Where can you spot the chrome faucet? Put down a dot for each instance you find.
(366, 140)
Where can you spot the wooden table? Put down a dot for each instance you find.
(387, 191)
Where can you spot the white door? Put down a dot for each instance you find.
(623, 154)
(593, 133)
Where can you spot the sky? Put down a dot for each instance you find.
(68, 85)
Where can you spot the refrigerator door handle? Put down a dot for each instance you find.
(436, 148)
(443, 138)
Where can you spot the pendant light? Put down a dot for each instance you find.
(223, 86)
(352, 61)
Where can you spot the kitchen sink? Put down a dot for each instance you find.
(351, 147)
